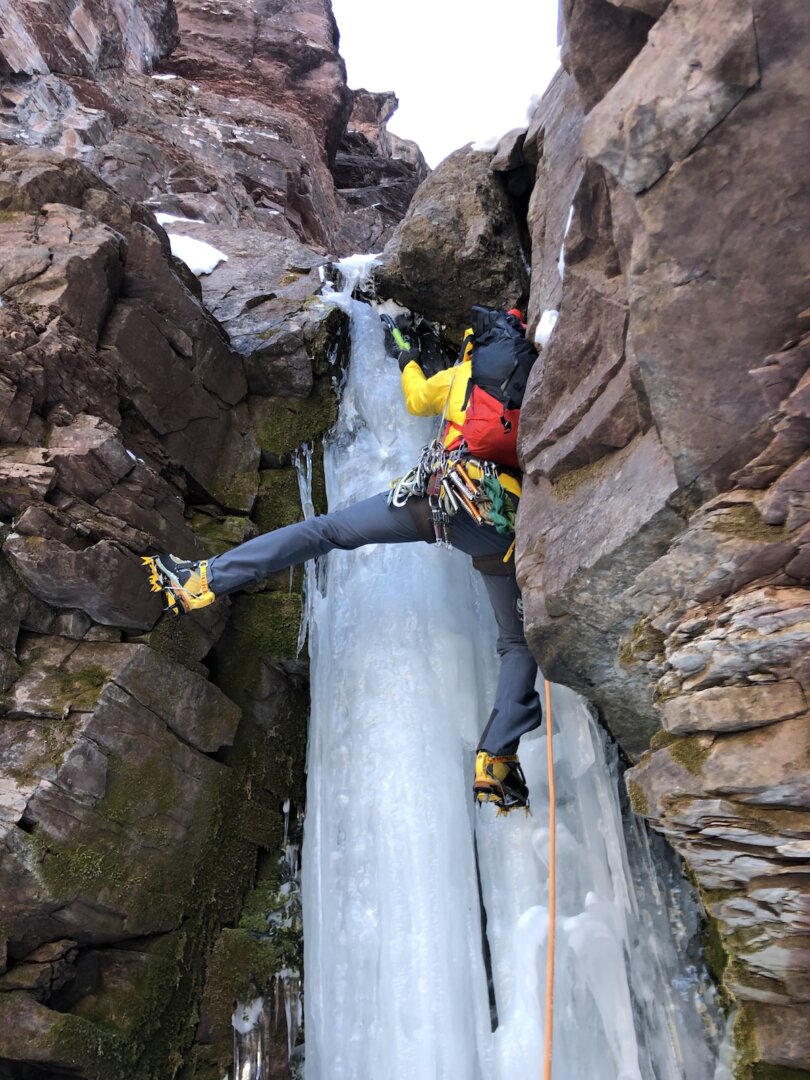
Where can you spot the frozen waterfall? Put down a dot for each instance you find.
(402, 645)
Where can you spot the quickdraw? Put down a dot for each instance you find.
(444, 477)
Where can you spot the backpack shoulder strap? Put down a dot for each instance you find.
(467, 339)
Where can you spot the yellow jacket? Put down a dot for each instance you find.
(427, 397)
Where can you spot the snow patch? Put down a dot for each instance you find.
(164, 78)
(162, 218)
(199, 257)
(545, 328)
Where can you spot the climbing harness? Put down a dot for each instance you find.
(453, 481)
(552, 889)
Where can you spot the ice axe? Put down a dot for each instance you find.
(400, 340)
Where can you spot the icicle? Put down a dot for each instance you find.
(250, 1043)
(302, 460)
(288, 991)
(561, 259)
(725, 1057)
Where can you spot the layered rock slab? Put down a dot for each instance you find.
(676, 326)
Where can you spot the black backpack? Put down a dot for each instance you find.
(502, 357)
(501, 361)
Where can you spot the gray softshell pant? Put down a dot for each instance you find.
(517, 706)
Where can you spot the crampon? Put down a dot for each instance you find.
(500, 780)
(184, 584)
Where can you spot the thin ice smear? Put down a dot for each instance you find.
(403, 665)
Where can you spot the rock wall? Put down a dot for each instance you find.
(144, 763)
(660, 197)
(132, 772)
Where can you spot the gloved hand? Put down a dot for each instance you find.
(405, 356)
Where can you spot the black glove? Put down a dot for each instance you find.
(405, 356)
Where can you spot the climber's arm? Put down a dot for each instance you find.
(425, 396)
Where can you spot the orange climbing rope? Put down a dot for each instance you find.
(552, 889)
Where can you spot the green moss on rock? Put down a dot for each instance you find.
(662, 739)
(77, 690)
(143, 1031)
(55, 738)
(745, 522)
(746, 1065)
(689, 751)
(235, 491)
(714, 951)
(639, 802)
(644, 643)
(85, 1045)
(286, 422)
(242, 967)
(139, 800)
(763, 1071)
(179, 639)
(263, 625)
(247, 955)
(70, 869)
(278, 502)
(221, 533)
(567, 484)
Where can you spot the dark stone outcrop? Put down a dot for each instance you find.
(456, 245)
(375, 171)
(128, 425)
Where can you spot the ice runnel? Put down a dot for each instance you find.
(403, 665)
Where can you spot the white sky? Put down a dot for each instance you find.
(463, 72)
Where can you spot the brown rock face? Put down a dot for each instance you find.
(283, 55)
(600, 40)
(663, 530)
(659, 113)
(457, 245)
(375, 171)
(82, 38)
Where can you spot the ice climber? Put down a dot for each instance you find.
(450, 492)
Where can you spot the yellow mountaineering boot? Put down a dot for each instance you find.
(500, 780)
(184, 584)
